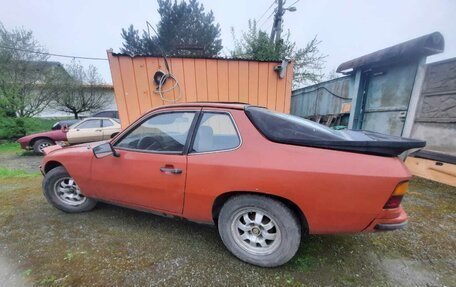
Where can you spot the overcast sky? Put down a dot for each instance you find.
(347, 29)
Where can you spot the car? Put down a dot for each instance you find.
(93, 129)
(87, 130)
(64, 123)
(107, 114)
(38, 141)
(263, 178)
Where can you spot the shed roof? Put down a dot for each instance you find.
(422, 46)
(195, 57)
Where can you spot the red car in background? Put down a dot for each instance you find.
(87, 130)
(263, 178)
(37, 142)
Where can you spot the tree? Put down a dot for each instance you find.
(82, 91)
(184, 29)
(255, 44)
(27, 80)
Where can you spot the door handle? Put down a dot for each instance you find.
(98, 130)
(170, 170)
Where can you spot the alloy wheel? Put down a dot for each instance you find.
(68, 192)
(255, 231)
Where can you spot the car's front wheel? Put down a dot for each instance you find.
(259, 230)
(61, 190)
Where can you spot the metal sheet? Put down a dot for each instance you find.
(201, 79)
(387, 98)
(316, 100)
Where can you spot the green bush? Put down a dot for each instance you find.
(37, 125)
(11, 128)
(14, 128)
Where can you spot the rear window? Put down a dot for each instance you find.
(285, 128)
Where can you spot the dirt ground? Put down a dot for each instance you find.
(113, 246)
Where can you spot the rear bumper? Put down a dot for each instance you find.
(388, 220)
(390, 226)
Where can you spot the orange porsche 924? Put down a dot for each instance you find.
(263, 178)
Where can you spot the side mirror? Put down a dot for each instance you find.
(65, 128)
(104, 150)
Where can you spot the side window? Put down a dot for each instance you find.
(89, 124)
(216, 132)
(161, 133)
(107, 123)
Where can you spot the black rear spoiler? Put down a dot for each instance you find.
(368, 142)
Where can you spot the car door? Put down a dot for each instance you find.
(109, 128)
(87, 131)
(151, 167)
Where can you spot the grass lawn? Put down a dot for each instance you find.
(9, 147)
(16, 173)
(114, 246)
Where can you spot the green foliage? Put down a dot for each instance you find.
(26, 273)
(12, 128)
(255, 44)
(184, 29)
(37, 125)
(48, 280)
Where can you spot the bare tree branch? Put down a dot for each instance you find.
(82, 92)
(26, 79)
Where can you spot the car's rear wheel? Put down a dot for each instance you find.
(41, 144)
(259, 230)
(61, 190)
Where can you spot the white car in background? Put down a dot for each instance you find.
(93, 129)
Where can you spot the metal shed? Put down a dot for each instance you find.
(387, 85)
(200, 79)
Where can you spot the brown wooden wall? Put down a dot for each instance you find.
(217, 80)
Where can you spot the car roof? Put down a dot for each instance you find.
(225, 105)
(97, 118)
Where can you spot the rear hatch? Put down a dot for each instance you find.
(287, 129)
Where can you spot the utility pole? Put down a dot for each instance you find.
(278, 21)
(277, 25)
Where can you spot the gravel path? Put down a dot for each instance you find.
(26, 161)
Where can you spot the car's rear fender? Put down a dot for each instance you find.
(336, 191)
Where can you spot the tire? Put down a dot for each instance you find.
(39, 145)
(61, 191)
(270, 246)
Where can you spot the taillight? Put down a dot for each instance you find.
(395, 199)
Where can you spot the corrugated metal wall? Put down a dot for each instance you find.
(316, 100)
(435, 121)
(217, 80)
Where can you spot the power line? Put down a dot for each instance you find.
(54, 55)
(294, 3)
(264, 22)
(272, 4)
